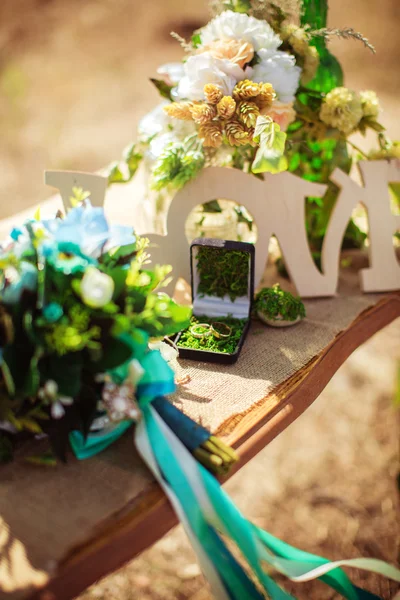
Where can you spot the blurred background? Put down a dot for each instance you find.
(73, 86)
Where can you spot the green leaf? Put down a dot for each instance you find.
(163, 88)
(115, 353)
(65, 370)
(118, 275)
(213, 206)
(47, 459)
(6, 449)
(239, 6)
(270, 154)
(196, 40)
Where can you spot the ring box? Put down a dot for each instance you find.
(212, 305)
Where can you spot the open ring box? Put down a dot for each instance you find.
(222, 282)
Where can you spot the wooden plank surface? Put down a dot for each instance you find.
(150, 516)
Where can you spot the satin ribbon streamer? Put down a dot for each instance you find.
(207, 513)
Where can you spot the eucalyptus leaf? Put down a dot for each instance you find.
(163, 88)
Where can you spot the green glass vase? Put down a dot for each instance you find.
(316, 160)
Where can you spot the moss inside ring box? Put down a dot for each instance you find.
(222, 281)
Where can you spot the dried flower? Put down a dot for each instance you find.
(203, 113)
(179, 110)
(266, 96)
(245, 89)
(211, 133)
(248, 113)
(310, 65)
(237, 133)
(212, 93)
(342, 109)
(226, 107)
(370, 104)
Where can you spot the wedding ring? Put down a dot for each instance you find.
(220, 330)
(196, 332)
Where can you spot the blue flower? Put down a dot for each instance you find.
(52, 312)
(66, 257)
(120, 235)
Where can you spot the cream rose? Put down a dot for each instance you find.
(237, 51)
(283, 114)
(96, 288)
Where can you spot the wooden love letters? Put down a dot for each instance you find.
(277, 205)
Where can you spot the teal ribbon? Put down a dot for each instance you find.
(210, 513)
(96, 442)
(204, 508)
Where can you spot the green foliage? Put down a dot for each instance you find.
(211, 343)
(222, 272)
(270, 156)
(163, 88)
(277, 304)
(179, 163)
(124, 170)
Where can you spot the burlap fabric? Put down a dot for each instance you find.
(46, 512)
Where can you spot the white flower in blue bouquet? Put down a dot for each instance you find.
(96, 288)
(18, 280)
(239, 26)
(279, 69)
(204, 68)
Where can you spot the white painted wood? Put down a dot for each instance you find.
(278, 207)
(64, 181)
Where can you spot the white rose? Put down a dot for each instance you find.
(163, 130)
(238, 26)
(205, 68)
(96, 288)
(279, 69)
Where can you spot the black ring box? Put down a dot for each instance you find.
(219, 307)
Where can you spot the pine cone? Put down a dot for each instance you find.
(202, 113)
(246, 89)
(179, 110)
(211, 133)
(248, 113)
(226, 107)
(237, 133)
(266, 96)
(212, 93)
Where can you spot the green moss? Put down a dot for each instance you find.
(211, 343)
(274, 303)
(222, 272)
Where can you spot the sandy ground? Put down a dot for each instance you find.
(73, 85)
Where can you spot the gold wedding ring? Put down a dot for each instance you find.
(196, 332)
(220, 330)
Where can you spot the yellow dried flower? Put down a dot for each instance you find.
(342, 109)
(179, 110)
(266, 96)
(246, 89)
(310, 65)
(237, 133)
(211, 133)
(226, 107)
(203, 113)
(212, 93)
(248, 113)
(296, 37)
(370, 104)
